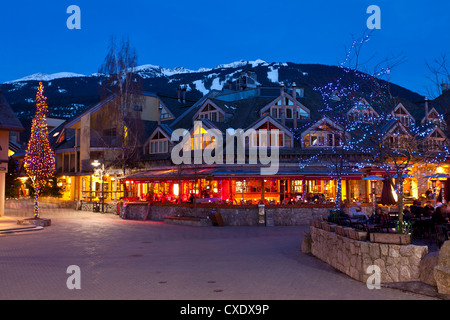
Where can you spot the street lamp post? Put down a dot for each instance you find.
(434, 178)
(372, 180)
(433, 184)
(102, 172)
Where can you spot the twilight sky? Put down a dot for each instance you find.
(205, 33)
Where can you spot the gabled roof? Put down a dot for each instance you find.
(175, 106)
(319, 122)
(391, 125)
(164, 129)
(211, 102)
(268, 118)
(8, 119)
(185, 118)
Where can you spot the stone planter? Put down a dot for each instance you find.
(316, 223)
(347, 231)
(442, 270)
(357, 235)
(398, 263)
(323, 224)
(339, 230)
(328, 227)
(39, 222)
(391, 238)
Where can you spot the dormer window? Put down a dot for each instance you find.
(433, 116)
(398, 138)
(211, 113)
(287, 102)
(262, 137)
(324, 135)
(165, 114)
(362, 112)
(403, 116)
(157, 144)
(435, 141)
(397, 141)
(276, 112)
(268, 133)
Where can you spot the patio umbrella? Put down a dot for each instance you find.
(373, 178)
(437, 176)
(405, 175)
(387, 197)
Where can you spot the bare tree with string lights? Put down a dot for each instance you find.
(362, 104)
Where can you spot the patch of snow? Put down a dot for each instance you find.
(149, 71)
(216, 84)
(272, 74)
(47, 77)
(258, 62)
(18, 86)
(200, 86)
(241, 63)
(152, 71)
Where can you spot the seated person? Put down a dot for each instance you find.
(407, 214)
(428, 209)
(315, 198)
(357, 212)
(376, 217)
(439, 219)
(417, 210)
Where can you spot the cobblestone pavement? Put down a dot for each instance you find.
(123, 259)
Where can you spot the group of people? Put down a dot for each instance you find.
(423, 218)
(161, 197)
(309, 198)
(428, 216)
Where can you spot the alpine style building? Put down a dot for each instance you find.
(325, 148)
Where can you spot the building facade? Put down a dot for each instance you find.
(322, 152)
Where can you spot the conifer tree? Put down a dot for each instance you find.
(39, 158)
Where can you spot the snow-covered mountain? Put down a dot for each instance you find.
(46, 77)
(71, 93)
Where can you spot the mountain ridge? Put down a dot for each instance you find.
(71, 93)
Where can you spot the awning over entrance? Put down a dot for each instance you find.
(169, 174)
(238, 172)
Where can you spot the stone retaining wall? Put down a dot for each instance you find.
(398, 263)
(231, 215)
(108, 207)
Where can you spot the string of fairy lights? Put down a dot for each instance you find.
(369, 130)
(39, 158)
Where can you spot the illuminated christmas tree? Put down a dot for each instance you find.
(39, 158)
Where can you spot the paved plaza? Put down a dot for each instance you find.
(123, 259)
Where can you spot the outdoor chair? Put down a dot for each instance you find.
(441, 235)
(343, 221)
